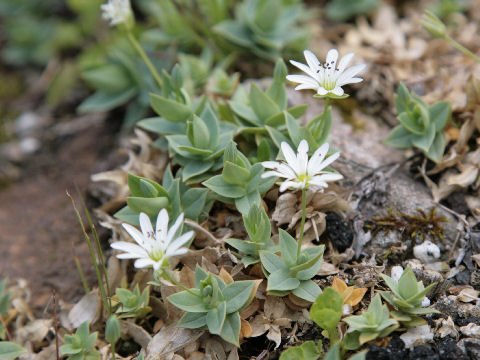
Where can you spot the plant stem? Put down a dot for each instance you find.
(81, 274)
(112, 350)
(302, 224)
(462, 48)
(327, 100)
(166, 275)
(145, 58)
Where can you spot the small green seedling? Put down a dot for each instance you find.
(289, 274)
(133, 304)
(373, 323)
(214, 305)
(407, 295)
(259, 232)
(81, 345)
(421, 126)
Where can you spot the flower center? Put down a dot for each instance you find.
(156, 254)
(303, 178)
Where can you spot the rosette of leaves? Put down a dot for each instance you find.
(81, 345)
(120, 79)
(256, 109)
(200, 150)
(214, 305)
(150, 197)
(259, 232)
(372, 323)
(286, 274)
(132, 304)
(240, 182)
(266, 28)
(407, 295)
(421, 126)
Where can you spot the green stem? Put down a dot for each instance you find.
(166, 275)
(327, 100)
(302, 224)
(333, 335)
(112, 350)
(462, 48)
(145, 58)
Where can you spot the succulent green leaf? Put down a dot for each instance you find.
(218, 185)
(400, 137)
(281, 280)
(169, 109)
(10, 350)
(238, 294)
(216, 318)
(193, 320)
(262, 105)
(186, 301)
(307, 351)
(307, 290)
(440, 114)
(271, 262)
(231, 328)
(327, 309)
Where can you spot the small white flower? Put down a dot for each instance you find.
(116, 11)
(153, 248)
(326, 78)
(300, 172)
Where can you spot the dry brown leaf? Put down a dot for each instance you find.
(139, 334)
(169, 340)
(468, 295)
(351, 295)
(246, 329)
(87, 309)
(225, 276)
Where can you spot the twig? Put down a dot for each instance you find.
(197, 226)
(55, 321)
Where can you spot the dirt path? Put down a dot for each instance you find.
(39, 233)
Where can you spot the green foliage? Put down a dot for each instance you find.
(287, 274)
(133, 304)
(149, 197)
(10, 350)
(327, 309)
(342, 10)
(407, 295)
(112, 329)
(307, 351)
(266, 28)
(214, 305)
(81, 345)
(258, 227)
(4, 305)
(420, 126)
(444, 8)
(257, 109)
(240, 182)
(373, 323)
(433, 25)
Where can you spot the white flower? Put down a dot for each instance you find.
(326, 78)
(116, 11)
(300, 172)
(153, 248)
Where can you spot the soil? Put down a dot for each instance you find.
(39, 233)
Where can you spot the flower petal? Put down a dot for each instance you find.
(173, 230)
(135, 234)
(312, 60)
(306, 87)
(270, 164)
(290, 157)
(129, 248)
(332, 57)
(321, 91)
(348, 74)
(344, 61)
(330, 160)
(337, 91)
(290, 184)
(317, 159)
(271, 173)
(304, 68)
(328, 177)
(302, 79)
(179, 242)
(302, 156)
(162, 226)
(147, 229)
(144, 262)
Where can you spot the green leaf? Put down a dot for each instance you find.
(110, 78)
(218, 185)
(440, 114)
(411, 123)
(392, 284)
(10, 350)
(101, 101)
(162, 126)
(245, 203)
(400, 137)
(242, 245)
(194, 168)
(281, 280)
(288, 247)
(402, 98)
(407, 284)
(200, 132)
(144, 187)
(262, 105)
(112, 330)
(150, 206)
(193, 320)
(238, 294)
(277, 137)
(361, 355)
(307, 351)
(436, 151)
(308, 290)
(425, 141)
(169, 109)
(231, 328)
(333, 353)
(271, 262)
(188, 302)
(234, 174)
(327, 309)
(216, 318)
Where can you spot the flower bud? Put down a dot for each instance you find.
(433, 25)
(112, 330)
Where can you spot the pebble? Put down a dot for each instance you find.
(427, 252)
